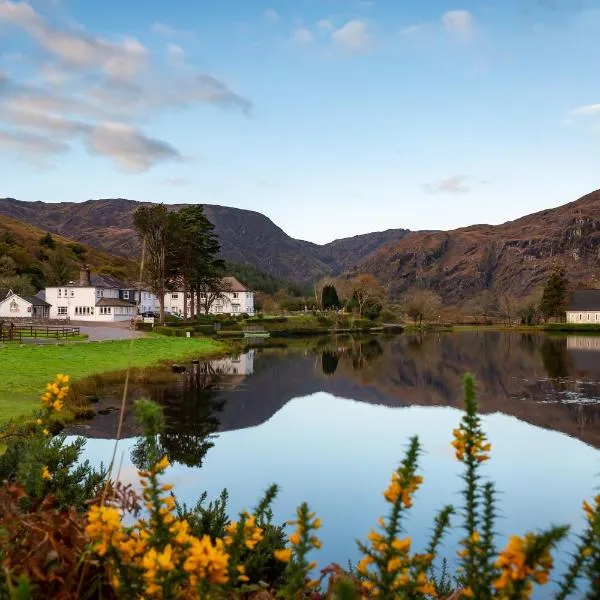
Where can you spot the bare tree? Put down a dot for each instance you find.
(365, 288)
(152, 224)
(421, 305)
(508, 308)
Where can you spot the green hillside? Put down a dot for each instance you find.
(31, 259)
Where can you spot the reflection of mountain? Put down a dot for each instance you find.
(527, 376)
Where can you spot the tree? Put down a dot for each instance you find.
(422, 305)
(211, 290)
(508, 308)
(556, 295)
(194, 258)
(59, 268)
(48, 241)
(329, 298)
(153, 227)
(365, 288)
(8, 267)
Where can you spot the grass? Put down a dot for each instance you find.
(26, 369)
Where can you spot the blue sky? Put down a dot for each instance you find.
(332, 117)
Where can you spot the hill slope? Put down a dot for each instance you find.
(515, 257)
(246, 236)
(27, 256)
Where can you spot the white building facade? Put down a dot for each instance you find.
(237, 300)
(86, 302)
(15, 306)
(584, 307)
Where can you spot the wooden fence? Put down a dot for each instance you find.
(17, 333)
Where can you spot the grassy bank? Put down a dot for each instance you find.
(26, 370)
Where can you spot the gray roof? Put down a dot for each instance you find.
(41, 294)
(107, 281)
(34, 300)
(585, 300)
(113, 302)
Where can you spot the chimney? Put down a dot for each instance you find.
(84, 276)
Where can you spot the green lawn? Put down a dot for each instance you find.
(24, 371)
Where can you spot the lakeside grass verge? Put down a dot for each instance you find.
(25, 370)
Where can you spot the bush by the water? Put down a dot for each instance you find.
(68, 531)
(594, 327)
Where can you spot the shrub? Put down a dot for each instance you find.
(174, 331)
(206, 329)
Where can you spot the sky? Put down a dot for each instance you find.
(331, 117)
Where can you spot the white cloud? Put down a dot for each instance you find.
(459, 22)
(411, 30)
(272, 15)
(31, 145)
(325, 25)
(302, 36)
(129, 148)
(165, 30)
(353, 36)
(451, 185)
(587, 110)
(75, 48)
(98, 92)
(175, 52)
(175, 182)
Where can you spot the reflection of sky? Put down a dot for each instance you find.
(339, 454)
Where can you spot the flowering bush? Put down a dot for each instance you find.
(170, 551)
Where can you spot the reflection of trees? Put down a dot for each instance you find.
(329, 362)
(191, 419)
(555, 356)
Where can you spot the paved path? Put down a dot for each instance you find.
(106, 331)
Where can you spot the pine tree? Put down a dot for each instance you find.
(556, 295)
(329, 298)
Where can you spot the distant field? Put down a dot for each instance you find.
(24, 371)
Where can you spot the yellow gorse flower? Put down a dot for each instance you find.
(46, 473)
(515, 567)
(56, 392)
(474, 445)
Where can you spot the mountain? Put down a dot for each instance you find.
(515, 258)
(30, 256)
(247, 237)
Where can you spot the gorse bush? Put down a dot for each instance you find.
(125, 545)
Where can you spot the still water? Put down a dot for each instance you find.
(329, 420)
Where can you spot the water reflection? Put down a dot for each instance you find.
(551, 382)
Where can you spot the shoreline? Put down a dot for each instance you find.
(30, 368)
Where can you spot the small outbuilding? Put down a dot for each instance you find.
(584, 307)
(15, 306)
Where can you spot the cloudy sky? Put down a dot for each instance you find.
(332, 117)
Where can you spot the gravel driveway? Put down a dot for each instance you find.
(107, 331)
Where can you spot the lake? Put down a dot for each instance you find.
(328, 420)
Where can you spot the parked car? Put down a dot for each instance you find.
(150, 314)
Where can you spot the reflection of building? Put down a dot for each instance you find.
(584, 307)
(583, 342)
(238, 365)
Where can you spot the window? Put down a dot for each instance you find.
(62, 310)
(65, 293)
(59, 293)
(174, 296)
(125, 294)
(235, 294)
(13, 307)
(235, 308)
(72, 293)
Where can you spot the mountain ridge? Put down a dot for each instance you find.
(513, 258)
(246, 236)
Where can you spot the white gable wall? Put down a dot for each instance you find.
(15, 307)
(583, 316)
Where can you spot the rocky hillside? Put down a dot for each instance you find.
(514, 258)
(246, 236)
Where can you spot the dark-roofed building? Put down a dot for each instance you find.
(584, 307)
(15, 306)
(92, 298)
